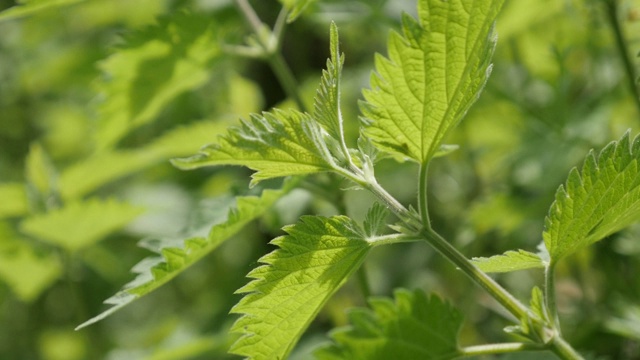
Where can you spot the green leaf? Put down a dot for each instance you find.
(178, 255)
(276, 144)
(154, 66)
(413, 327)
(80, 224)
(375, 219)
(26, 272)
(29, 7)
(295, 8)
(41, 176)
(509, 261)
(101, 168)
(312, 262)
(598, 201)
(434, 72)
(326, 107)
(14, 200)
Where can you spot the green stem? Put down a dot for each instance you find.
(363, 281)
(513, 305)
(504, 348)
(422, 195)
(550, 295)
(563, 350)
(621, 45)
(270, 42)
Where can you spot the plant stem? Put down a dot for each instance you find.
(422, 195)
(564, 351)
(251, 16)
(270, 42)
(363, 281)
(550, 295)
(513, 305)
(490, 349)
(621, 45)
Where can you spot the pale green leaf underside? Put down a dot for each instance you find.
(101, 168)
(274, 144)
(413, 327)
(80, 224)
(176, 257)
(601, 199)
(312, 262)
(434, 72)
(326, 107)
(33, 6)
(153, 67)
(509, 261)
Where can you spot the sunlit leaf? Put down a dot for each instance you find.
(80, 224)
(599, 200)
(434, 72)
(413, 326)
(179, 254)
(275, 144)
(312, 262)
(509, 261)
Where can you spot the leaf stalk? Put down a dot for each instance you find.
(423, 196)
(491, 349)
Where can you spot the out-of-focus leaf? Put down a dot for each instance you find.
(101, 168)
(28, 7)
(27, 273)
(13, 200)
(295, 7)
(153, 67)
(80, 224)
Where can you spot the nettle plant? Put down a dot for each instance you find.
(434, 71)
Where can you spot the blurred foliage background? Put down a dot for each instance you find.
(96, 96)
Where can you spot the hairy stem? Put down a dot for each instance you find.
(621, 45)
(550, 295)
(513, 305)
(422, 195)
(270, 42)
(563, 350)
(504, 348)
(557, 345)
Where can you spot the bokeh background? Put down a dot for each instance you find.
(96, 97)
